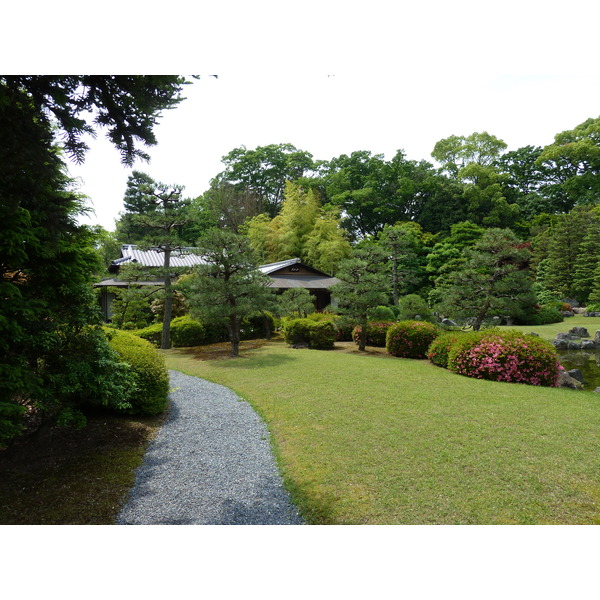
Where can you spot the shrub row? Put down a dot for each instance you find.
(317, 334)
(149, 393)
(186, 332)
(496, 355)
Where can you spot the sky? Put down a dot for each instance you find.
(332, 77)
(335, 77)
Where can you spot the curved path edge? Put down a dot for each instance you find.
(211, 463)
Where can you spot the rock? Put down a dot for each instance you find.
(573, 345)
(588, 345)
(579, 311)
(597, 337)
(534, 334)
(592, 314)
(579, 332)
(566, 381)
(560, 344)
(564, 336)
(576, 374)
(567, 313)
(449, 323)
(597, 390)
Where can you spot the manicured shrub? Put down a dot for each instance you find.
(151, 334)
(546, 315)
(595, 307)
(149, 394)
(411, 339)
(318, 335)
(439, 349)
(296, 331)
(186, 332)
(507, 356)
(376, 333)
(381, 313)
(322, 335)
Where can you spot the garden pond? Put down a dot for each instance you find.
(587, 361)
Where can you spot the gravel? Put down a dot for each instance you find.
(210, 464)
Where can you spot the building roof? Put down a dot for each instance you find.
(316, 282)
(284, 264)
(153, 257)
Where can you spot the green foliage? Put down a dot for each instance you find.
(131, 307)
(494, 281)
(228, 286)
(546, 315)
(149, 394)
(295, 301)
(381, 313)
(185, 332)
(504, 356)
(411, 339)
(363, 286)
(413, 307)
(376, 333)
(439, 349)
(319, 335)
(593, 307)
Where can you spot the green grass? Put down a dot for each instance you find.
(592, 324)
(379, 440)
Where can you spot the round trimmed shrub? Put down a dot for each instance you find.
(149, 396)
(297, 331)
(186, 332)
(507, 356)
(318, 335)
(376, 333)
(410, 339)
(343, 329)
(439, 349)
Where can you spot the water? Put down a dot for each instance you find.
(587, 361)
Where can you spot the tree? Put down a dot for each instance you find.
(51, 344)
(363, 286)
(493, 281)
(295, 301)
(302, 229)
(163, 212)
(574, 161)
(228, 286)
(263, 172)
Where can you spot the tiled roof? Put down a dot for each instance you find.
(266, 269)
(155, 257)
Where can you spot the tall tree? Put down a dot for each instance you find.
(163, 213)
(228, 286)
(51, 347)
(264, 171)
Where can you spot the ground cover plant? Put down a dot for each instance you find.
(366, 438)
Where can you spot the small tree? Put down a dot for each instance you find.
(296, 301)
(228, 286)
(363, 285)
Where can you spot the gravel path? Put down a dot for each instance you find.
(210, 464)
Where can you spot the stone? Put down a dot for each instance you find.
(597, 337)
(576, 374)
(579, 332)
(588, 345)
(560, 344)
(592, 314)
(564, 336)
(566, 381)
(597, 390)
(449, 323)
(573, 345)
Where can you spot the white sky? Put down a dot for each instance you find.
(404, 75)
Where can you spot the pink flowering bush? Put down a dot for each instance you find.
(411, 339)
(505, 356)
(376, 333)
(439, 349)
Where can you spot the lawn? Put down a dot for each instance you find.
(367, 438)
(592, 324)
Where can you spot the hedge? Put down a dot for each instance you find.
(318, 335)
(149, 396)
(411, 339)
(376, 333)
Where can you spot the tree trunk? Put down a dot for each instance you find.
(362, 337)
(234, 335)
(165, 342)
